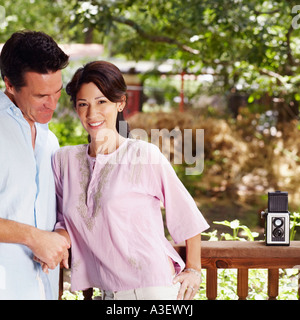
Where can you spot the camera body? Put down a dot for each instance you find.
(277, 219)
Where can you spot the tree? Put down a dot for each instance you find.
(249, 45)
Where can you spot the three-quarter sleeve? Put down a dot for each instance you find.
(183, 218)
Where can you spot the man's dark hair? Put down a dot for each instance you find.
(30, 51)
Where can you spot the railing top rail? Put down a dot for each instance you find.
(246, 254)
(248, 249)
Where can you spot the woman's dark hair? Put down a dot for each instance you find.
(30, 51)
(109, 80)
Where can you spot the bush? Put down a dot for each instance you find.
(69, 131)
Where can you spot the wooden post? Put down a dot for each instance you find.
(88, 294)
(211, 283)
(61, 283)
(242, 284)
(273, 279)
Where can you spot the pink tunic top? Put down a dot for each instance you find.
(111, 207)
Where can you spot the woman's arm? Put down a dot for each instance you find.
(193, 253)
(183, 220)
(190, 278)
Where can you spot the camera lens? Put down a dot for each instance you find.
(278, 222)
(278, 233)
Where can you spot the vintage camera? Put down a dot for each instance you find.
(277, 219)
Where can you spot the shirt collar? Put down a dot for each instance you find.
(5, 102)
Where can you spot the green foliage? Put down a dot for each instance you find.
(258, 288)
(246, 232)
(235, 226)
(69, 131)
(77, 295)
(247, 45)
(250, 45)
(40, 15)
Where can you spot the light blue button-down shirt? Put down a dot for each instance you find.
(27, 195)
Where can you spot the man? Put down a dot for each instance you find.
(31, 64)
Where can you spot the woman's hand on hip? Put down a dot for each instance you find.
(190, 282)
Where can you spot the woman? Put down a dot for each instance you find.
(109, 193)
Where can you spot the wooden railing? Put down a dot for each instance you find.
(245, 255)
(240, 255)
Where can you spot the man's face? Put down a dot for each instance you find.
(38, 98)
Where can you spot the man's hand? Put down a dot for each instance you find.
(49, 247)
(45, 268)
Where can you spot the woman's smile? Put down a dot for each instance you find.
(95, 124)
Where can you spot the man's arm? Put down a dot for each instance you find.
(49, 247)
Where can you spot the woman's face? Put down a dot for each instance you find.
(95, 111)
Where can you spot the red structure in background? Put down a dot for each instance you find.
(135, 95)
